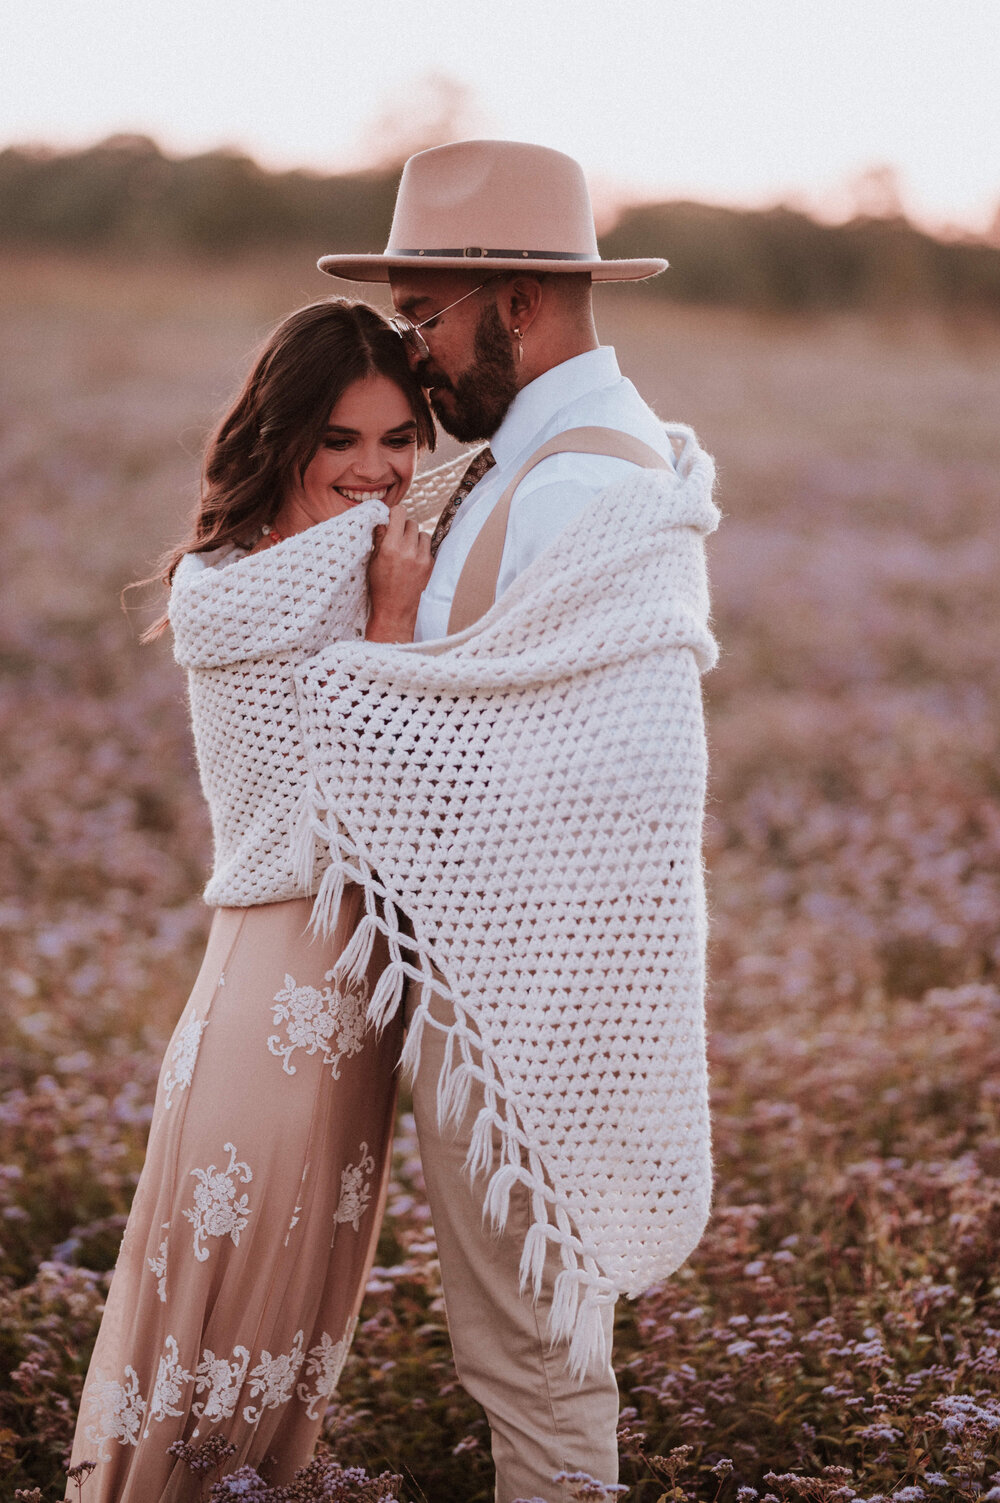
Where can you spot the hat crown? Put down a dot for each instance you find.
(493, 195)
(509, 204)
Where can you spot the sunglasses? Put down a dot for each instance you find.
(413, 341)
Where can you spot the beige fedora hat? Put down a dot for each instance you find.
(505, 204)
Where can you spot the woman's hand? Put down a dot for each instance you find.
(398, 571)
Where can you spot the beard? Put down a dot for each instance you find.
(474, 405)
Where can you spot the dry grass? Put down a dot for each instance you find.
(843, 1310)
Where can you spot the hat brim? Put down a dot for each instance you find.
(372, 268)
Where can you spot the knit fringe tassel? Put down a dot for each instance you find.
(581, 1291)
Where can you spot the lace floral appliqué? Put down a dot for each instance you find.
(324, 1363)
(273, 1380)
(119, 1408)
(217, 1212)
(355, 1191)
(220, 1380)
(330, 1021)
(171, 1380)
(182, 1059)
(158, 1265)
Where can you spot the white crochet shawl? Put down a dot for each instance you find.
(239, 630)
(529, 793)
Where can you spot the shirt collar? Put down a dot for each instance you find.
(539, 402)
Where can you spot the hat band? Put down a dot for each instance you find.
(481, 253)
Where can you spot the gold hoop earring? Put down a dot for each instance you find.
(520, 345)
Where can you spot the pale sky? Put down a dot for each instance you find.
(727, 100)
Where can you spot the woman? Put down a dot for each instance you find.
(255, 1219)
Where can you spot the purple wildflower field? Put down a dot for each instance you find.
(836, 1336)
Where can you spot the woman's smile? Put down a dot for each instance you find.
(368, 452)
(371, 493)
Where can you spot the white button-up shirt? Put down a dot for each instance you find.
(587, 391)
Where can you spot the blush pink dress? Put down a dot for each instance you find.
(255, 1220)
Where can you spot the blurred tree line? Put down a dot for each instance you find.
(776, 259)
(126, 195)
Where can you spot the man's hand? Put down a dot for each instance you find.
(398, 571)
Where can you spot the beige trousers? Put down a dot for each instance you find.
(255, 1220)
(541, 1421)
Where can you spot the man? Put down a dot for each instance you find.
(491, 258)
(514, 357)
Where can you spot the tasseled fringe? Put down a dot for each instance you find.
(387, 996)
(304, 833)
(588, 1347)
(444, 1074)
(479, 1159)
(565, 1300)
(353, 961)
(536, 1246)
(510, 1150)
(575, 1317)
(410, 1057)
(497, 1202)
(326, 907)
(580, 1291)
(453, 1092)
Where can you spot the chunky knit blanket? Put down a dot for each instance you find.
(529, 794)
(240, 630)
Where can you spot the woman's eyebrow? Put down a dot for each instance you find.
(407, 427)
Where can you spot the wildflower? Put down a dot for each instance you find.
(586, 1489)
(245, 1482)
(79, 1474)
(467, 1443)
(210, 1456)
(960, 1411)
(672, 1465)
(326, 1480)
(884, 1433)
(631, 1442)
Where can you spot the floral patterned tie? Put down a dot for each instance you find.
(478, 467)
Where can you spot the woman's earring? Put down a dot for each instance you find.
(520, 345)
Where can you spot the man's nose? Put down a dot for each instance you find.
(427, 374)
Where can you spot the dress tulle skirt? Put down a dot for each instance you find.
(255, 1220)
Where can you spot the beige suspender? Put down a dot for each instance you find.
(477, 584)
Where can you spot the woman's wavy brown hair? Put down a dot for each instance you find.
(267, 438)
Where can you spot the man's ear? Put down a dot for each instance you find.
(520, 302)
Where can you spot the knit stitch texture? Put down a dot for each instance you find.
(529, 793)
(240, 630)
